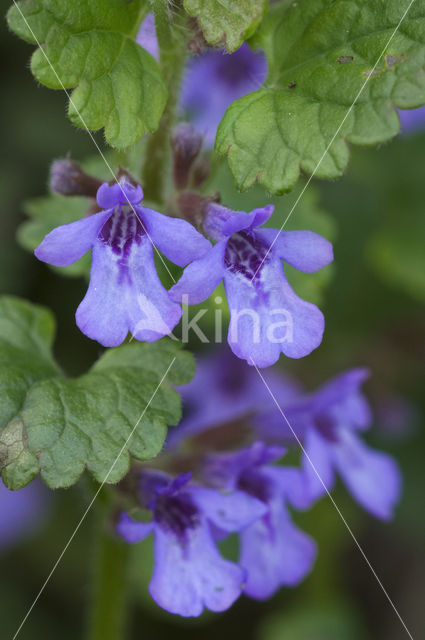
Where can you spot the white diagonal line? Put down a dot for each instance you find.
(92, 501)
(333, 502)
(102, 155)
(370, 74)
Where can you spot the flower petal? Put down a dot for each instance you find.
(275, 553)
(372, 477)
(267, 317)
(122, 192)
(188, 577)
(146, 36)
(249, 322)
(151, 312)
(133, 531)
(308, 484)
(21, 512)
(102, 315)
(176, 238)
(229, 511)
(201, 277)
(228, 77)
(241, 220)
(304, 250)
(343, 399)
(66, 244)
(125, 295)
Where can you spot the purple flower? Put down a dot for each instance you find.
(21, 511)
(189, 573)
(273, 551)
(235, 396)
(412, 119)
(125, 293)
(227, 77)
(328, 423)
(266, 316)
(147, 36)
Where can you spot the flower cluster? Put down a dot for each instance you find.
(126, 295)
(240, 484)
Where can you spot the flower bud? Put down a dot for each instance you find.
(68, 179)
(186, 143)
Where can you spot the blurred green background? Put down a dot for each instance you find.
(373, 299)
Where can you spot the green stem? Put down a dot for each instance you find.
(171, 35)
(108, 606)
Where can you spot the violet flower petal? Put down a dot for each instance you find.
(188, 577)
(241, 220)
(343, 399)
(228, 78)
(66, 244)
(147, 36)
(176, 238)
(133, 531)
(122, 192)
(275, 553)
(304, 250)
(22, 512)
(229, 511)
(125, 297)
(201, 277)
(267, 318)
(372, 477)
(317, 470)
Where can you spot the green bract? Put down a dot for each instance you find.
(320, 52)
(226, 23)
(91, 46)
(58, 426)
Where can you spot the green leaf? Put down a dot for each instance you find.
(320, 53)
(48, 212)
(91, 46)
(26, 336)
(226, 22)
(59, 426)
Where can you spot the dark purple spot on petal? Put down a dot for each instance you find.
(176, 514)
(245, 255)
(326, 427)
(256, 484)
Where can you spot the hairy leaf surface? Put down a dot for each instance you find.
(58, 426)
(226, 22)
(91, 46)
(320, 54)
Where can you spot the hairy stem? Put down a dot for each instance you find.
(171, 33)
(107, 617)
